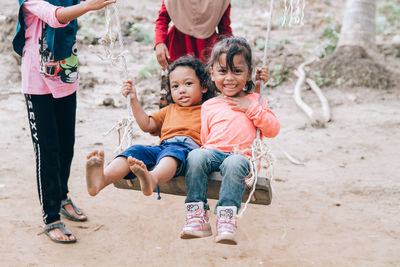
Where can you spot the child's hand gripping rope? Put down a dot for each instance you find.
(128, 88)
(261, 74)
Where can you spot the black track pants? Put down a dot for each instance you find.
(52, 124)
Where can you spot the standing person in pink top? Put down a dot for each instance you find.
(228, 121)
(46, 40)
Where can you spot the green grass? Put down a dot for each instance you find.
(388, 18)
(319, 80)
(278, 75)
(152, 67)
(140, 34)
(331, 37)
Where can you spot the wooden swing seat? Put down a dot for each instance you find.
(262, 195)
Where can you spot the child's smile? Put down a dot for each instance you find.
(231, 82)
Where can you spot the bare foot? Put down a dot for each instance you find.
(95, 172)
(144, 176)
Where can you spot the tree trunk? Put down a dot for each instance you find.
(354, 62)
(358, 28)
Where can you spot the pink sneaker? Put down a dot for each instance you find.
(197, 223)
(226, 225)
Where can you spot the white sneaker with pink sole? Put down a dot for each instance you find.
(197, 222)
(226, 225)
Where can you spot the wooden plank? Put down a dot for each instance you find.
(177, 186)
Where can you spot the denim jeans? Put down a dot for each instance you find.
(200, 163)
(177, 147)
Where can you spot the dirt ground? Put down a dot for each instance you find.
(339, 208)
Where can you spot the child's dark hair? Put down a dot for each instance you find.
(232, 46)
(199, 68)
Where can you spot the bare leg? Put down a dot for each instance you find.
(97, 177)
(163, 172)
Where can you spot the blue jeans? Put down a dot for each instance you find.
(200, 163)
(177, 147)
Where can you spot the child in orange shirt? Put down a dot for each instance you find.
(178, 126)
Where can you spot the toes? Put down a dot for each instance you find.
(58, 235)
(91, 155)
(101, 154)
(71, 237)
(131, 161)
(83, 215)
(96, 157)
(141, 164)
(55, 234)
(134, 161)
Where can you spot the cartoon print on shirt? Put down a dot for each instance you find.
(69, 66)
(66, 69)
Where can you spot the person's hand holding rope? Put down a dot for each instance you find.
(128, 88)
(97, 4)
(67, 14)
(261, 74)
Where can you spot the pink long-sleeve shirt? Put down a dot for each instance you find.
(37, 13)
(223, 128)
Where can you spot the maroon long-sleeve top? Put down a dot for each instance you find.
(180, 44)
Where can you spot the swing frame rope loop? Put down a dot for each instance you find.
(121, 45)
(257, 141)
(126, 123)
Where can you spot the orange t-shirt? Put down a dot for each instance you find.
(175, 120)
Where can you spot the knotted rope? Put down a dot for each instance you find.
(125, 125)
(296, 14)
(260, 150)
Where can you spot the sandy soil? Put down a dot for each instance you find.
(340, 208)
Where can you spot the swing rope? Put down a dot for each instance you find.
(261, 151)
(296, 15)
(126, 124)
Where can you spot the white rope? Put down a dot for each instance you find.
(260, 150)
(295, 11)
(107, 41)
(121, 43)
(285, 13)
(291, 13)
(125, 124)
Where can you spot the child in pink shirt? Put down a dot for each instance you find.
(228, 121)
(46, 40)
